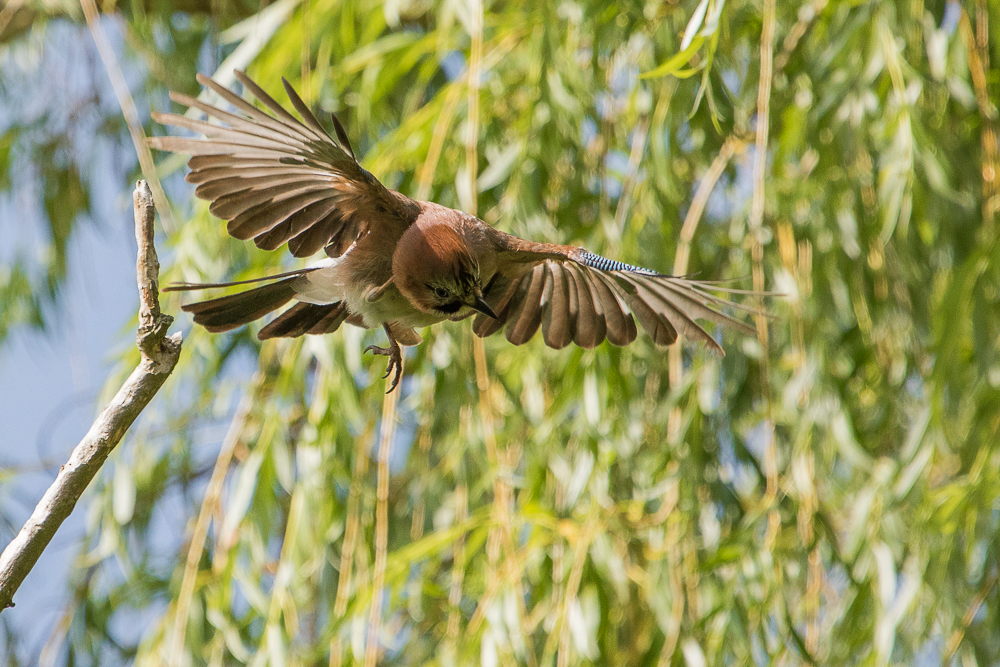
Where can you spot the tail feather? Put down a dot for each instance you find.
(190, 287)
(228, 312)
(305, 318)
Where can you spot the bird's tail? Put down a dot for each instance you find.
(305, 318)
(228, 312)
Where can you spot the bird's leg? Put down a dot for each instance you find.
(395, 355)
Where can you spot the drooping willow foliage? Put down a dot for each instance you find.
(826, 493)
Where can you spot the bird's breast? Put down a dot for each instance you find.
(391, 306)
(366, 268)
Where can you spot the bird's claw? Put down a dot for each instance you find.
(395, 361)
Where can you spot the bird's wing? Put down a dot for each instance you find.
(277, 179)
(577, 296)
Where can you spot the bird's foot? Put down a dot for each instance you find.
(395, 354)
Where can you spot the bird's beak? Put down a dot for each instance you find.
(483, 307)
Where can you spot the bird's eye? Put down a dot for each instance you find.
(440, 292)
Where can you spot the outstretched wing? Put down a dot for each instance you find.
(577, 296)
(277, 179)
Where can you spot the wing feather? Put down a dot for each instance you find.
(278, 179)
(306, 114)
(499, 294)
(695, 304)
(278, 110)
(581, 297)
(302, 318)
(232, 205)
(652, 319)
(230, 177)
(316, 236)
(252, 112)
(233, 120)
(621, 325)
(250, 137)
(264, 217)
(591, 328)
(556, 321)
(572, 304)
(523, 327)
(218, 189)
(300, 221)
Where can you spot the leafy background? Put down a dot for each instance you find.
(826, 493)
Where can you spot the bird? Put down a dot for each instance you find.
(394, 262)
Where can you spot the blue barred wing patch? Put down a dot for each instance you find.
(595, 261)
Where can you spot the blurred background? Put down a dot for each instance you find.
(825, 493)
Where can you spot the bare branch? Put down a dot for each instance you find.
(159, 356)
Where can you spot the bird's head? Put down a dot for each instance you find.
(437, 272)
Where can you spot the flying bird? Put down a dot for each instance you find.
(395, 262)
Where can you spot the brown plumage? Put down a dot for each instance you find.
(396, 262)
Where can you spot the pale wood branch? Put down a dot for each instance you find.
(159, 354)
